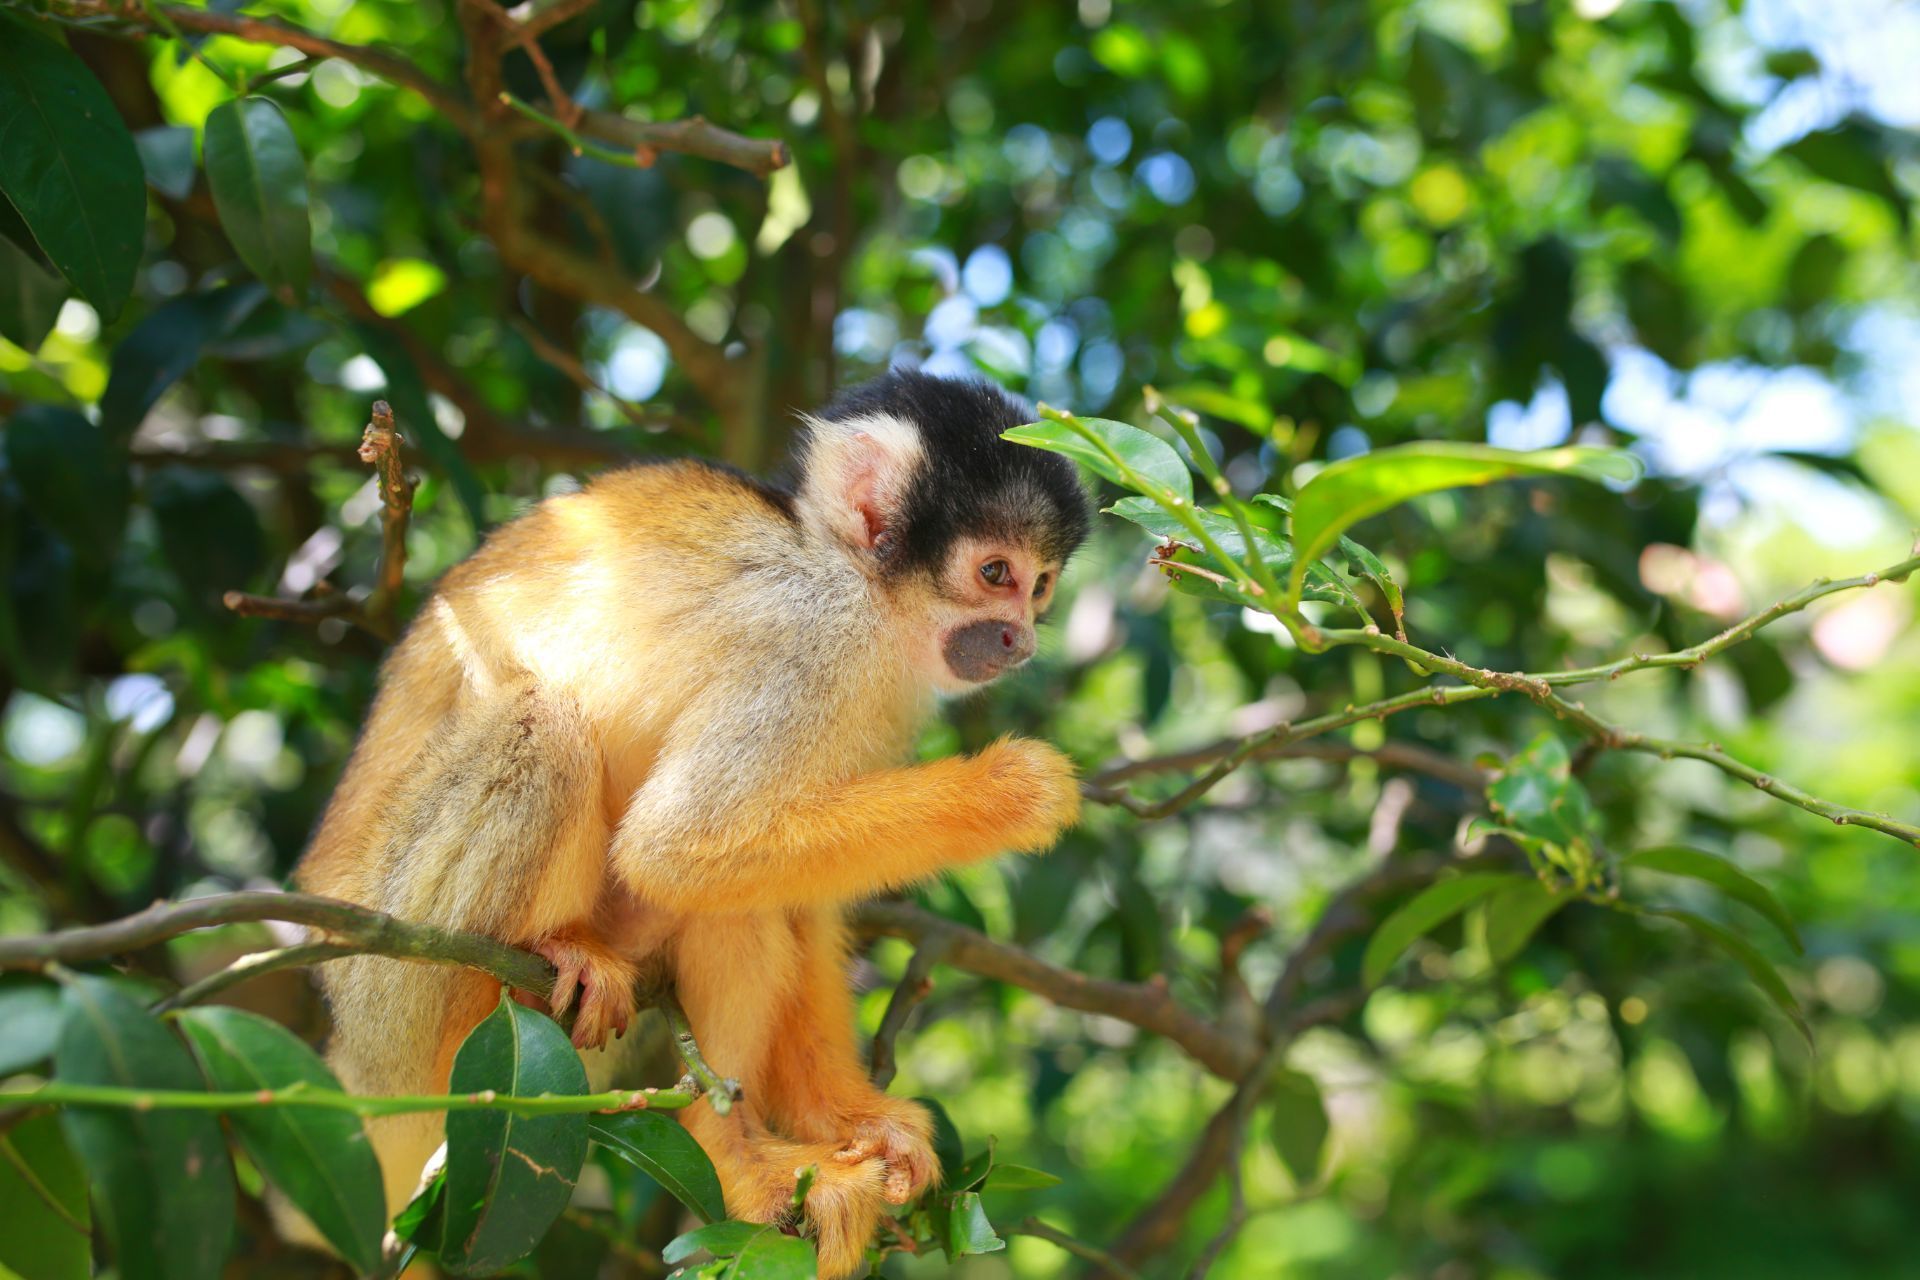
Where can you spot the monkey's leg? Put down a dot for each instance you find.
(872, 833)
(733, 974)
(497, 828)
(818, 1089)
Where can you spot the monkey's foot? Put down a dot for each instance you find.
(899, 1133)
(601, 978)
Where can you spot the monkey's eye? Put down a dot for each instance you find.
(1040, 585)
(997, 573)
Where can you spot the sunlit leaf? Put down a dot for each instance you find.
(162, 1183)
(1127, 449)
(1350, 490)
(68, 166)
(509, 1176)
(1695, 864)
(1425, 912)
(321, 1159)
(259, 184)
(667, 1152)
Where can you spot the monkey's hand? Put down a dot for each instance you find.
(600, 977)
(900, 1133)
(1033, 789)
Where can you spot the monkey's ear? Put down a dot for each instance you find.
(856, 477)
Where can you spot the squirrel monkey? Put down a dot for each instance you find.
(657, 725)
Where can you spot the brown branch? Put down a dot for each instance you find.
(575, 372)
(163, 20)
(373, 932)
(379, 447)
(1350, 914)
(1149, 1006)
(527, 40)
(915, 985)
(554, 266)
(1105, 1263)
(693, 136)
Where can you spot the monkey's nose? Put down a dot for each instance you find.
(982, 650)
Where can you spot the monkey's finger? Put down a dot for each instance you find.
(565, 984)
(899, 1186)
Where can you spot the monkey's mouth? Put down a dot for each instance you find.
(982, 651)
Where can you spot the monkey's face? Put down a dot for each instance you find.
(980, 613)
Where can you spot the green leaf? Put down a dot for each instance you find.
(1358, 557)
(1537, 792)
(1425, 912)
(1252, 414)
(509, 1176)
(968, 1230)
(71, 477)
(1322, 582)
(166, 154)
(721, 1239)
(1019, 1177)
(164, 346)
(259, 184)
(418, 1221)
(44, 1189)
(29, 1022)
(772, 1255)
(1348, 491)
(162, 1183)
(1514, 915)
(1298, 1126)
(1852, 155)
(660, 1146)
(1127, 448)
(1758, 967)
(1695, 864)
(210, 536)
(68, 166)
(320, 1159)
(972, 1173)
(30, 298)
(946, 1140)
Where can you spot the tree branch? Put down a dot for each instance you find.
(1149, 1006)
(915, 985)
(362, 928)
(721, 1092)
(301, 1094)
(1107, 1264)
(379, 447)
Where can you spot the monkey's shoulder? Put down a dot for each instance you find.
(684, 493)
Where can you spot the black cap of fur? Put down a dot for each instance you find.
(973, 483)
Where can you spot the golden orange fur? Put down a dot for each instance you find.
(655, 723)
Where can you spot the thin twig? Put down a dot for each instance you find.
(1147, 1005)
(255, 965)
(914, 986)
(576, 372)
(1108, 1264)
(378, 614)
(721, 1092)
(301, 1094)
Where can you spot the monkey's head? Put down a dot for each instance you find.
(962, 534)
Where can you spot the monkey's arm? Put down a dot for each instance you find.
(693, 848)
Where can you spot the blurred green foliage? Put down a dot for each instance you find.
(1327, 228)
